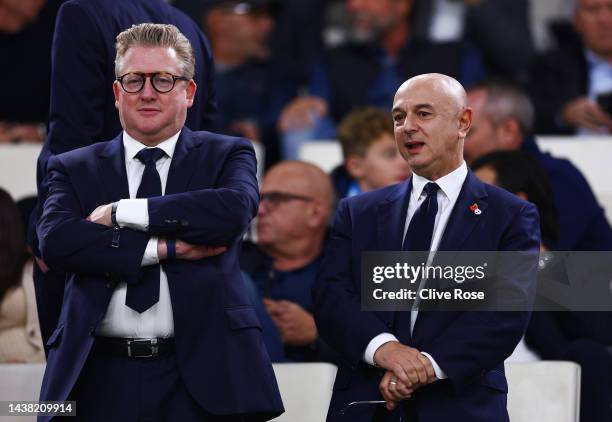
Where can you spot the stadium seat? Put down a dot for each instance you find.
(545, 391)
(306, 390)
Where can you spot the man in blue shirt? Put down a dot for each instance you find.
(503, 120)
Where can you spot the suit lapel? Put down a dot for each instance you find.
(463, 220)
(183, 163)
(461, 224)
(112, 166)
(391, 218)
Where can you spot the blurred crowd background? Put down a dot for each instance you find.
(288, 72)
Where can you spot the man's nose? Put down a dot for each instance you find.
(148, 91)
(409, 123)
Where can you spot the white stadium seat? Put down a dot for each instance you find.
(20, 382)
(306, 390)
(545, 391)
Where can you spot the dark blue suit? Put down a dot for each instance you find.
(82, 108)
(211, 196)
(470, 347)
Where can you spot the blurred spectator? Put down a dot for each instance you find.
(371, 157)
(250, 88)
(580, 337)
(82, 109)
(296, 39)
(20, 339)
(520, 173)
(294, 212)
(26, 30)
(499, 28)
(383, 51)
(503, 120)
(566, 82)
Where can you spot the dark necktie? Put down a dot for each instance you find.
(144, 294)
(420, 231)
(418, 238)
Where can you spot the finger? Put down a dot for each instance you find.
(420, 365)
(391, 387)
(429, 369)
(403, 390)
(383, 386)
(401, 374)
(411, 372)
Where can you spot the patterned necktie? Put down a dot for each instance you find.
(144, 294)
(418, 238)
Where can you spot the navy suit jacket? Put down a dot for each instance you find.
(82, 108)
(470, 347)
(211, 196)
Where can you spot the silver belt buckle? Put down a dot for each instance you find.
(152, 342)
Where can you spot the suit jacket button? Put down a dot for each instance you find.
(109, 285)
(184, 223)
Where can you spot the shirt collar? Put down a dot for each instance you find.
(595, 60)
(449, 184)
(133, 147)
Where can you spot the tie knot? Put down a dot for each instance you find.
(431, 188)
(150, 155)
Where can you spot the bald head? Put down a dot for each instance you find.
(294, 210)
(431, 120)
(300, 178)
(438, 84)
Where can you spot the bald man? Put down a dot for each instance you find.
(294, 211)
(426, 366)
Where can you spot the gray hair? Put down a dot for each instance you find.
(504, 101)
(156, 35)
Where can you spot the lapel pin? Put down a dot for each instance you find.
(474, 208)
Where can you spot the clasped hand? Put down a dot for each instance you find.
(407, 369)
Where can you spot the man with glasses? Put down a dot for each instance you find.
(296, 202)
(82, 108)
(155, 324)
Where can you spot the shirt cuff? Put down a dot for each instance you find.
(374, 344)
(133, 214)
(439, 372)
(150, 255)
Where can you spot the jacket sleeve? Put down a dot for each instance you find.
(72, 244)
(337, 305)
(218, 216)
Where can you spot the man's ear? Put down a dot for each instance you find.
(509, 135)
(465, 122)
(354, 166)
(116, 89)
(316, 214)
(190, 92)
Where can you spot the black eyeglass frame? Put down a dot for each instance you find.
(274, 199)
(150, 76)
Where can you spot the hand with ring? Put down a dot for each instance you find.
(393, 390)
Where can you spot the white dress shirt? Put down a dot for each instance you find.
(121, 320)
(450, 187)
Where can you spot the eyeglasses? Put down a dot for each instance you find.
(162, 82)
(274, 199)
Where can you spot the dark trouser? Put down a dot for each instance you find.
(113, 388)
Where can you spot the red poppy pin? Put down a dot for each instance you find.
(474, 208)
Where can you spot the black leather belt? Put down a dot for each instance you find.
(133, 347)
